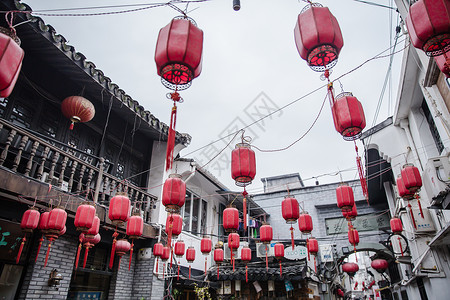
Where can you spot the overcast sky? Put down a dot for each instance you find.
(250, 63)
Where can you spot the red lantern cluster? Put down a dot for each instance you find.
(279, 254)
(348, 116)
(291, 212)
(318, 37)
(29, 222)
(218, 257)
(174, 193)
(345, 198)
(246, 257)
(380, 265)
(350, 268)
(11, 56)
(77, 109)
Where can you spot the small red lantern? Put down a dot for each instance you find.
(190, 257)
(233, 244)
(266, 236)
(351, 214)
(218, 257)
(93, 231)
(88, 243)
(205, 248)
(305, 223)
(345, 198)
(230, 219)
(380, 265)
(174, 193)
(164, 257)
(350, 268)
(122, 247)
(158, 249)
(11, 56)
(246, 256)
(402, 190)
(119, 212)
(291, 212)
(411, 177)
(30, 221)
(43, 220)
(353, 237)
(348, 116)
(84, 217)
(313, 247)
(318, 37)
(174, 226)
(396, 225)
(179, 250)
(135, 229)
(55, 224)
(243, 164)
(428, 24)
(279, 254)
(77, 109)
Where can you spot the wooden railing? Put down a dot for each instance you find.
(65, 167)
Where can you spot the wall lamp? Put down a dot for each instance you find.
(55, 278)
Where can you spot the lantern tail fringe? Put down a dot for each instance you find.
(189, 272)
(362, 177)
(400, 244)
(171, 255)
(157, 262)
(217, 272)
(86, 253)
(113, 250)
(206, 263)
(267, 261)
(412, 216)
(72, 124)
(39, 248)
(131, 255)
(178, 273)
(164, 271)
(48, 253)
(20, 249)
(246, 273)
(420, 208)
(281, 270)
(78, 255)
(245, 210)
(292, 237)
(315, 265)
(171, 137)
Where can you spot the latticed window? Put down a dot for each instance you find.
(432, 125)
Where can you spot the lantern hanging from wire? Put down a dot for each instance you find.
(348, 116)
(11, 57)
(266, 236)
(397, 228)
(42, 226)
(178, 57)
(77, 109)
(230, 219)
(305, 223)
(345, 197)
(233, 244)
(413, 182)
(174, 226)
(350, 268)
(246, 257)
(119, 212)
(80, 246)
(55, 224)
(205, 248)
(350, 215)
(313, 247)
(158, 249)
(174, 193)
(93, 231)
(164, 257)
(402, 190)
(380, 265)
(353, 237)
(122, 247)
(29, 222)
(135, 229)
(190, 257)
(88, 243)
(179, 250)
(291, 212)
(218, 257)
(279, 254)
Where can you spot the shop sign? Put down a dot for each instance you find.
(299, 252)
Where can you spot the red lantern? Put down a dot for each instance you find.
(266, 236)
(411, 178)
(218, 257)
(350, 268)
(428, 24)
(55, 224)
(122, 247)
(279, 254)
(318, 37)
(174, 193)
(313, 247)
(63, 231)
(305, 223)
(179, 252)
(158, 250)
(119, 209)
(77, 109)
(380, 265)
(43, 220)
(396, 225)
(205, 248)
(88, 243)
(353, 237)
(84, 217)
(230, 219)
(93, 231)
(190, 257)
(243, 164)
(345, 198)
(348, 116)
(135, 228)
(443, 65)
(246, 256)
(291, 212)
(351, 214)
(402, 190)
(30, 221)
(11, 56)
(233, 244)
(174, 226)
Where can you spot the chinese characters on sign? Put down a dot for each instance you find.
(368, 222)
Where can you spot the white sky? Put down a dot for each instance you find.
(245, 53)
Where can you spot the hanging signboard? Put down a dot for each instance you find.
(369, 222)
(299, 252)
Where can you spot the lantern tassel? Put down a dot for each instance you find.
(131, 255)
(412, 216)
(39, 247)
(189, 272)
(164, 271)
(86, 254)
(362, 177)
(157, 261)
(206, 262)
(400, 244)
(292, 237)
(113, 250)
(171, 136)
(315, 265)
(48, 252)
(71, 125)
(217, 272)
(171, 255)
(244, 204)
(178, 273)
(246, 273)
(420, 208)
(281, 270)
(21, 249)
(78, 255)
(267, 261)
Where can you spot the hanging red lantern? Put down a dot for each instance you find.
(135, 229)
(312, 247)
(93, 231)
(402, 190)
(348, 116)
(77, 109)
(243, 164)
(380, 265)
(122, 247)
(174, 226)
(279, 254)
(351, 214)
(84, 217)
(396, 225)
(218, 257)
(43, 220)
(411, 178)
(190, 257)
(119, 212)
(291, 212)
(350, 268)
(205, 248)
(443, 65)
(55, 224)
(11, 56)
(230, 219)
(246, 257)
(179, 250)
(353, 237)
(233, 244)
(428, 23)
(318, 37)
(174, 193)
(29, 222)
(158, 249)
(266, 236)
(88, 243)
(345, 198)
(340, 293)
(164, 257)
(305, 223)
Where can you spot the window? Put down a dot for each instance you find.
(187, 212)
(21, 115)
(3, 104)
(195, 214)
(433, 128)
(203, 217)
(220, 230)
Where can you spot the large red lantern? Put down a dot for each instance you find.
(266, 236)
(77, 109)
(246, 256)
(411, 178)
(291, 212)
(351, 214)
(380, 265)
(313, 247)
(318, 37)
(279, 254)
(43, 220)
(233, 244)
(348, 116)
(84, 217)
(174, 226)
(243, 164)
(93, 231)
(11, 56)
(55, 224)
(158, 249)
(230, 219)
(428, 24)
(305, 223)
(350, 268)
(174, 193)
(30, 221)
(119, 212)
(135, 229)
(402, 190)
(205, 248)
(345, 198)
(179, 250)
(218, 257)
(190, 257)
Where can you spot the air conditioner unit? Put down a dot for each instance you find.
(425, 223)
(436, 180)
(261, 249)
(54, 182)
(237, 253)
